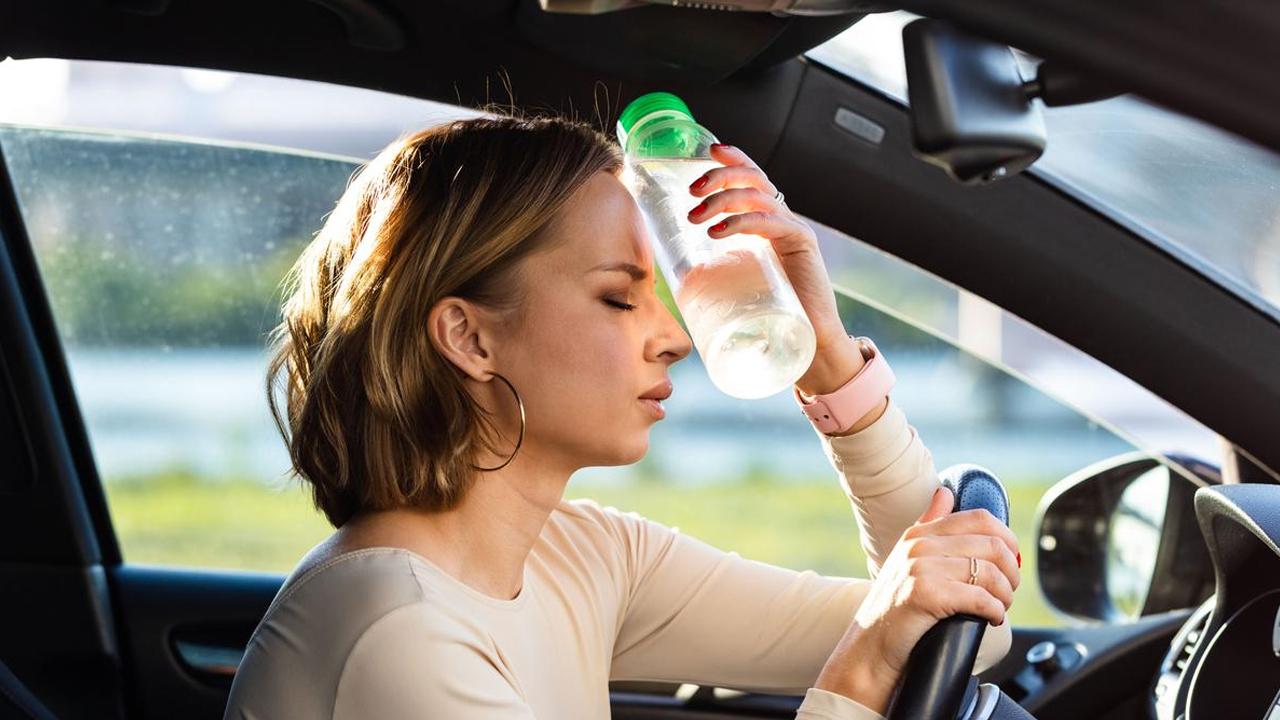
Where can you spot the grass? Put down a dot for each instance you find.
(179, 519)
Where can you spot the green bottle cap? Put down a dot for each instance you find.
(647, 104)
(651, 102)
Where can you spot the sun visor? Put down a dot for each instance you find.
(661, 44)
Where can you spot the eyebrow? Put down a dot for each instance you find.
(636, 272)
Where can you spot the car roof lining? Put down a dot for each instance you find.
(1217, 65)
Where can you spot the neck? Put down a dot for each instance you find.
(485, 540)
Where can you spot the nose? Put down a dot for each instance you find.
(670, 343)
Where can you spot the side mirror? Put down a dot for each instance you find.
(971, 113)
(1119, 539)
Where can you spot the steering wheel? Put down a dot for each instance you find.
(936, 684)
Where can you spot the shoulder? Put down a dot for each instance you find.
(591, 515)
(297, 654)
(416, 659)
(628, 540)
(354, 587)
(418, 633)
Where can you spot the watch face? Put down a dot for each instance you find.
(866, 347)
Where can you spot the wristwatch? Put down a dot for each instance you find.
(840, 409)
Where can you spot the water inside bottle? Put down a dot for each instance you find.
(749, 328)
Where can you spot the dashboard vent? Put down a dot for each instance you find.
(1178, 659)
(1182, 655)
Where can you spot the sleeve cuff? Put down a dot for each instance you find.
(825, 705)
(864, 456)
(995, 644)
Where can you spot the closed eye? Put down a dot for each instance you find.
(620, 305)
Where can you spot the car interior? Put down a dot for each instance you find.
(88, 635)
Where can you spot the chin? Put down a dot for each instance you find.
(633, 453)
(621, 451)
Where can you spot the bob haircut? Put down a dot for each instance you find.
(377, 418)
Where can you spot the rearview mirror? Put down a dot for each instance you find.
(970, 111)
(1119, 540)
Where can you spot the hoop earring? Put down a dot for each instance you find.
(519, 439)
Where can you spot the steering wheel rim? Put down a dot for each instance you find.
(937, 676)
(939, 672)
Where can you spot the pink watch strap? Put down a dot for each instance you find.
(838, 410)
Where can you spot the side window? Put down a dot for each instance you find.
(161, 260)
(162, 243)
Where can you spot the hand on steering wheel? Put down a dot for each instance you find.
(927, 577)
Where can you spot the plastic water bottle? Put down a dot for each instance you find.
(741, 310)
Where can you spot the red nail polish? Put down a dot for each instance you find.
(721, 146)
(698, 210)
(697, 184)
(719, 226)
(1019, 558)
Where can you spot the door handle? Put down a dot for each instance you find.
(218, 660)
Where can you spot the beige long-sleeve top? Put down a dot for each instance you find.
(383, 633)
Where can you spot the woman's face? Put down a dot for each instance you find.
(581, 361)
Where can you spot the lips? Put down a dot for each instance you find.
(654, 407)
(658, 392)
(654, 397)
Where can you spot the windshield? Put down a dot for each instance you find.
(1200, 193)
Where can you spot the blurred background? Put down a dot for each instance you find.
(166, 204)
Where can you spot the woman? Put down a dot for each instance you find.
(476, 321)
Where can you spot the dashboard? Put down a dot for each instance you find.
(1219, 660)
(1224, 662)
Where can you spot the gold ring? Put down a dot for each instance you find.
(973, 571)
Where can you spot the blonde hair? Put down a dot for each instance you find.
(377, 418)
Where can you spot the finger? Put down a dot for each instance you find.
(733, 200)
(939, 505)
(970, 522)
(732, 176)
(989, 577)
(764, 224)
(985, 547)
(976, 600)
(731, 155)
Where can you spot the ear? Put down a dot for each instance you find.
(458, 331)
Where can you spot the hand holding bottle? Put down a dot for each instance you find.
(742, 188)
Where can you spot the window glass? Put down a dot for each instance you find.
(1197, 191)
(162, 258)
(162, 243)
(161, 261)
